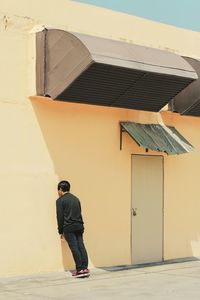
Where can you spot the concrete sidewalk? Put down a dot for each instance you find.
(168, 281)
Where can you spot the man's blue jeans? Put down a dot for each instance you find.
(77, 247)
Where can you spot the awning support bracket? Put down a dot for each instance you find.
(121, 132)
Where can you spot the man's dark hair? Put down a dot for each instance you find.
(64, 186)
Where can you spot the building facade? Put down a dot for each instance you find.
(45, 141)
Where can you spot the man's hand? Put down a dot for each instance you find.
(62, 237)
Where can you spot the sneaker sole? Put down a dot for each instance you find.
(82, 276)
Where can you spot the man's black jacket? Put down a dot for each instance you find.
(69, 216)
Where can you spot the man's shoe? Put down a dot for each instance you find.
(74, 273)
(79, 274)
(86, 272)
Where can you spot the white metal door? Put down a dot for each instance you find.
(147, 209)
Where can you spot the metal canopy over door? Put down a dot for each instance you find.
(147, 209)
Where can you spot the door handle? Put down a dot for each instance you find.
(134, 212)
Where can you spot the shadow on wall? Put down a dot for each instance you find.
(67, 259)
(56, 121)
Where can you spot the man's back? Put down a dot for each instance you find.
(69, 213)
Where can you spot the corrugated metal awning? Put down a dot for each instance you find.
(80, 68)
(187, 102)
(157, 137)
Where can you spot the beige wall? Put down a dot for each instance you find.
(44, 141)
(71, 15)
(182, 223)
(27, 177)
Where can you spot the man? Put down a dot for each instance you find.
(70, 227)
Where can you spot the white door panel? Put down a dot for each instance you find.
(147, 208)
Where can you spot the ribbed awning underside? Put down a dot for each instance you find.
(115, 86)
(157, 137)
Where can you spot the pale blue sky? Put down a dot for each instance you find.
(180, 13)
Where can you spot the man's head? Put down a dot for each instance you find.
(63, 187)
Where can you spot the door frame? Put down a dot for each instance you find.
(131, 207)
